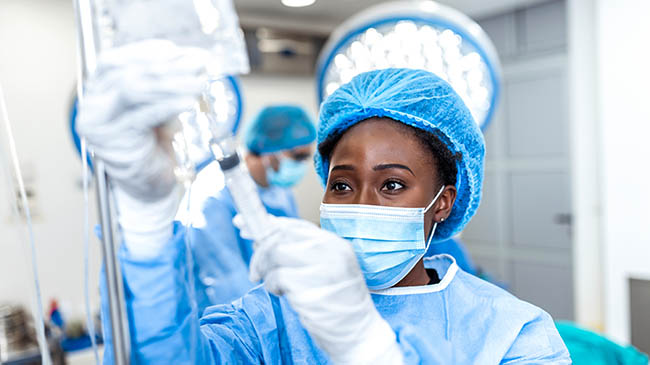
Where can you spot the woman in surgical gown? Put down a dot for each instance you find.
(388, 140)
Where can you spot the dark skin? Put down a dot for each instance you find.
(377, 163)
(257, 164)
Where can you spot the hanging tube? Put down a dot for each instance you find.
(37, 304)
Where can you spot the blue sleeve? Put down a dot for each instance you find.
(247, 327)
(163, 319)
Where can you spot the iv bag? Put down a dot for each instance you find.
(207, 24)
(210, 25)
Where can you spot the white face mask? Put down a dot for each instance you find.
(388, 241)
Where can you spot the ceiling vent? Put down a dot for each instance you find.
(282, 52)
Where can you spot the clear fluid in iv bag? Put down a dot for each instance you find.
(210, 25)
(214, 116)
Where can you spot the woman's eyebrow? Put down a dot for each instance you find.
(392, 166)
(343, 167)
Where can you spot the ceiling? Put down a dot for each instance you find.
(325, 15)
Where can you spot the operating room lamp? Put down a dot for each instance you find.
(417, 34)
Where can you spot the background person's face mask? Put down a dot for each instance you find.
(388, 241)
(289, 173)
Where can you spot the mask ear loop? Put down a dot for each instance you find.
(435, 224)
(434, 199)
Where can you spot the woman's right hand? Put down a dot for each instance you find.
(135, 89)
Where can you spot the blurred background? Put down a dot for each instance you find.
(564, 222)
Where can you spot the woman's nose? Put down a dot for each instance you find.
(367, 196)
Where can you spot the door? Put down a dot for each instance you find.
(521, 234)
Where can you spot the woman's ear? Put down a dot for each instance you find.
(444, 204)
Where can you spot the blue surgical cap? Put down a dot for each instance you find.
(422, 100)
(279, 127)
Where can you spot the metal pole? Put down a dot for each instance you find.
(112, 272)
(88, 48)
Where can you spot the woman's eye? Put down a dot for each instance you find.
(392, 186)
(339, 186)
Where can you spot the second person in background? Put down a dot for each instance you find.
(279, 146)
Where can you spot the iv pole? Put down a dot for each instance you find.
(87, 52)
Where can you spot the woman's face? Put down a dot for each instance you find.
(376, 162)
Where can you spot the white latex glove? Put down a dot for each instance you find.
(135, 89)
(319, 274)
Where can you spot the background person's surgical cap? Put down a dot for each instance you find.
(420, 99)
(279, 127)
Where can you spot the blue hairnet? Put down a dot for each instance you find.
(422, 100)
(279, 127)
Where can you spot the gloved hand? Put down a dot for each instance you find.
(135, 89)
(319, 274)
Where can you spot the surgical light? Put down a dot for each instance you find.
(418, 34)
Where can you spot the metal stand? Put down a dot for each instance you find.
(88, 48)
(112, 272)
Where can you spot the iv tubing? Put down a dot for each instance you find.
(86, 239)
(37, 305)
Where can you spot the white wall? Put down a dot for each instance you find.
(261, 90)
(37, 73)
(623, 75)
(610, 89)
(585, 165)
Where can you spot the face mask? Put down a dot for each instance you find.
(388, 241)
(289, 173)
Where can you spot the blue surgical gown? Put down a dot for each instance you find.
(460, 320)
(220, 255)
(454, 247)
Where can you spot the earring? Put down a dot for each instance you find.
(442, 220)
